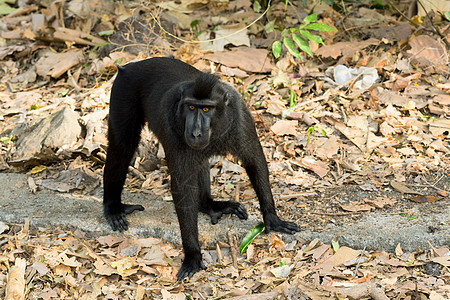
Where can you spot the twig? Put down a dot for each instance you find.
(334, 214)
(402, 14)
(434, 27)
(433, 186)
(359, 261)
(211, 40)
(232, 249)
(219, 254)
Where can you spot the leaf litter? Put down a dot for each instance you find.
(391, 133)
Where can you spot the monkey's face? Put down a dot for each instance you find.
(197, 129)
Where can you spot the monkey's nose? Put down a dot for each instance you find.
(197, 132)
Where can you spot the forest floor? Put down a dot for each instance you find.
(358, 157)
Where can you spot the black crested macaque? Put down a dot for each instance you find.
(194, 115)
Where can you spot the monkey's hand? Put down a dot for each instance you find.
(189, 267)
(273, 223)
(117, 218)
(215, 209)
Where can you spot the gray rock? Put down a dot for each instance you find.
(43, 139)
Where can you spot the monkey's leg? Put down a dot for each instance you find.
(215, 209)
(185, 195)
(123, 138)
(255, 164)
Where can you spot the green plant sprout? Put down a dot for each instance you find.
(296, 39)
(311, 129)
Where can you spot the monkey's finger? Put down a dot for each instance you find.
(292, 226)
(120, 223)
(241, 212)
(215, 218)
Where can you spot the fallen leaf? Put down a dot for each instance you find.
(281, 272)
(56, 64)
(380, 202)
(426, 50)
(314, 165)
(247, 59)
(425, 199)
(285, 127)
(402, 188)
(345, 254)
(356, 207)
(235, 34)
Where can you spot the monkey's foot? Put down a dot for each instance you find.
(117, 219)
(189, 268)
(273, 223)
(216, 209)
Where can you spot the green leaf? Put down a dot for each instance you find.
(292, 99)
(270, 26)
(447, 15)
(302, 44)
(194, 23)
(100, 45)
(63, 93)
(257, 6)
(6, 9)
(6, 139)
(322, 131)
(310, 129)
(284, 32)
(250, 236)
(335, 245)
(311, 18)
(276, 49)
(34, 106)
(106, 32)
(315, 38)
(319, 27)
(291, 47)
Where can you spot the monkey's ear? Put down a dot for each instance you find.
(182, 92)
(227, 98)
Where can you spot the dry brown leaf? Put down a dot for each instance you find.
(356, 207)
(276, 243)
(56, 64)
(443, 260)
(402, 188)
(380, 202)
(15, 289)
(110, 240)
(346, 49)
(328, 149)
(425, 199)
(398, 251)
(247, 59)
(314, 165)
(319, 251)
(345, 254)
(285, 127)
(426, 51)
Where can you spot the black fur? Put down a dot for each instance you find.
(194, 116)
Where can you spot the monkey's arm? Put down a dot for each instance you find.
(185, 193)
(255, 164)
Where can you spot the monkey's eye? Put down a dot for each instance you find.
(191, 107)
(205, 109)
